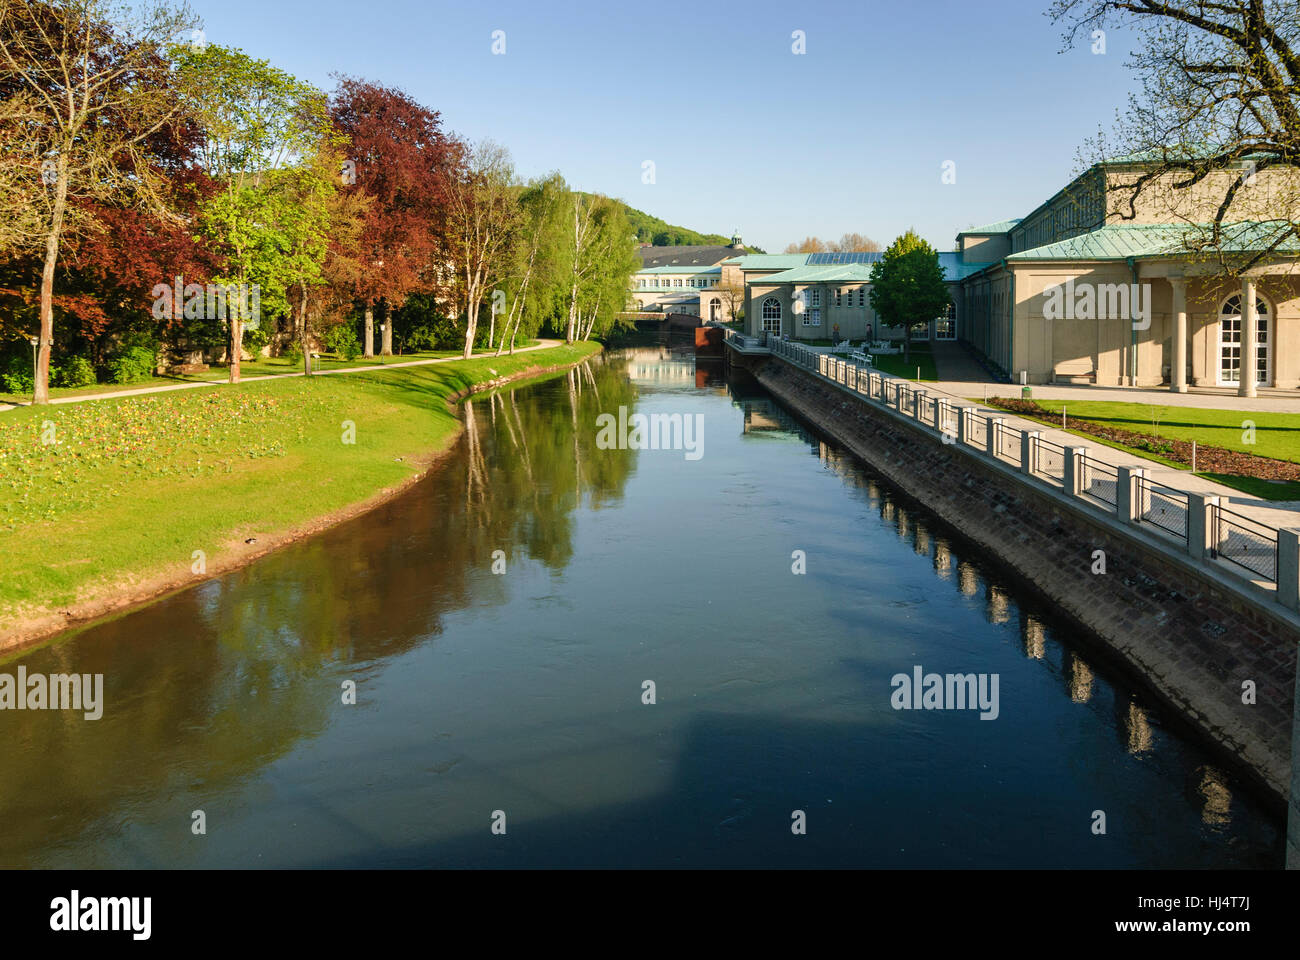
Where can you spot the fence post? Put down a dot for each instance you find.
(1128, 505)
(991, 427)
(1028, 447)
(962, 413)
(1073, 475)
(1288, 567)
(1199, 526)
(917, 397)
(940, 413)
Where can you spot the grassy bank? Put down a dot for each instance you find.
(132, 487)
(258, 367)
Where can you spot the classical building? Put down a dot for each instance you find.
(686, 279)
(1078, 292)
(824, 296)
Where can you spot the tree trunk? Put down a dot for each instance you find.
(907, 346)
(41, 381)
(236, 345)
(368, 339)
(471, 320)
(573, 313)
(387, 338)
(302, 330)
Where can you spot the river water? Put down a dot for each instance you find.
(515, 701)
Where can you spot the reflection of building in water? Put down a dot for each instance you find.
(921, 545)
(1078, 675)
(968, 580)
(1034, 637)
(659, 365)
(1138, 729)
(1218, 798)
(901, 523)
(997, 606)
(764, 416)
(942, 559)
(887, 510)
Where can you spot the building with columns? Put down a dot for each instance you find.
(1077, 293)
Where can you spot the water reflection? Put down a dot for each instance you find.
(478, 689)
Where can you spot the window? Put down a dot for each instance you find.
(1230, 341)
(862, 296)
(816, 296)
(813, 318)
(677, 282)
(838, 297)
(772, 315)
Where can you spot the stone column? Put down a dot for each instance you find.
(1178, 375)
(1028, 444)
(1073, 478)
(1199, 526)
(1249, 339)
(991, 427)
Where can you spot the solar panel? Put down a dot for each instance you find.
(833, 259)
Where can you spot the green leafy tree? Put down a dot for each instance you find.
(908, 287)
(257, 120)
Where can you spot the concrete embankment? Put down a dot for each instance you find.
(1191, 639)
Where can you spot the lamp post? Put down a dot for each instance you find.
(36, 346)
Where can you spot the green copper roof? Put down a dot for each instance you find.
(1002, 226)
(1120, 241)
(835, 273)
(769, 261)
(672, 269)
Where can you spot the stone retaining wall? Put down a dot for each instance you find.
(1191, 640)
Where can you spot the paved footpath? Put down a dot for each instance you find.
(191, 384)
(1274, 513)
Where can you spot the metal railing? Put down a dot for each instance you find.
(1098, 480)
(1048, 460)
(1243, 541)
(1006, 443)
(1234, 537)
(1163, 506)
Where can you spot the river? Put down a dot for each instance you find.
(501, 715)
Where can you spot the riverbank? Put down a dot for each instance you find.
(115, 502)
(1192, 642)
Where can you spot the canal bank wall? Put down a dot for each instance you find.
(1190, 638)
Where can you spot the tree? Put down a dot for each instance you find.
(807, 245)
(908, 286)
(732, 296)
(535, 255)
(256, 121)
(1216, 125)
(854, 243)
(596, 236)
(482, 214)
(401, 159)
(91, 92)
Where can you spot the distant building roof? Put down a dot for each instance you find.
(686, 256)
(831, 273)
(1001, 226)
(1119, 241)
(770, 261)
(672, 269)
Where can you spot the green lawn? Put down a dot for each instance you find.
(896, 365)
(133, 486)
(1277, 435)
(261, 366)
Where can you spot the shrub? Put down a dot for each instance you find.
(132, 365)
(16, 377)
(343, 341)
(77, 372)
(292, 353)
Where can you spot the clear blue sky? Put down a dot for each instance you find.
(745, 135)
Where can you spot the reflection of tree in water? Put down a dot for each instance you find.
(207, 687)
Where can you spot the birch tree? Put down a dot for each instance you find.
(482, 214)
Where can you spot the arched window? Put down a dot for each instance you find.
(772, 315)
(1230, 342)
(715, 309)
